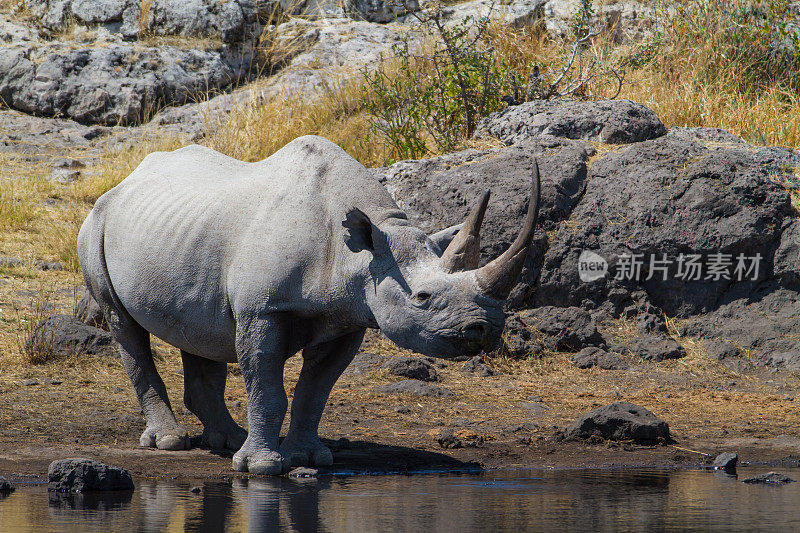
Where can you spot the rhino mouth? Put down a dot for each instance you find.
(473, 338)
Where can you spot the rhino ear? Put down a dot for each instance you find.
(361, 234)
(443, 238)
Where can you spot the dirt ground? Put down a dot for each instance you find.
(84, 406)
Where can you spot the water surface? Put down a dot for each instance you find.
(516, 500)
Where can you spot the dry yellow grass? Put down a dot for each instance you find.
(257, 129)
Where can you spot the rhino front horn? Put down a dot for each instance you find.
(497, 278)
(464, 251)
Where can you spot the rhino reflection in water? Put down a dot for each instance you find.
(251, 262)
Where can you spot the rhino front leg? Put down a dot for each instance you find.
(262, 351)
(322, 366)
(204, 395)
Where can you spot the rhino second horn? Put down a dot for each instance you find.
(464, 251)
(497, 278)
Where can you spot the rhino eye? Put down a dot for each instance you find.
(422, 296)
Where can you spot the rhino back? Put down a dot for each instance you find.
(192, 238)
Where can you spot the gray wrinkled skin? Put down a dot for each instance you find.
(252, 262)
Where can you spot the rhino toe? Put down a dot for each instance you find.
(266, 463)
(232, 439)
(165, 439)
(307, 453)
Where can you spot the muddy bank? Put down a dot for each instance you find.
(29, 463)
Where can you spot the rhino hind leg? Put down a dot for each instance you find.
(322, 366)
(163, 431)
(204, 395)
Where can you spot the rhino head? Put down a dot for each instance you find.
(435, 302)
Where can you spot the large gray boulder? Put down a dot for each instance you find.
(116, 84)
(663, 198)
(605, 121)
(85, 475)
(230, 21)
(620, 421)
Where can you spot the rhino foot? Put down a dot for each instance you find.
(232, 438)
(265, 462)
(174, 438)
(308, 452)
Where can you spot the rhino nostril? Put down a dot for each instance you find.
(474, 331)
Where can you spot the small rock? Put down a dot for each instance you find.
(620, 421)
(9, 262)
(413, 386)
(5, 486)
(412, 368)
(566, 328)
(196, 490)
(48, 265)
(402, 409)
(535, 398)
(771, 478)
(485, 371)
(611, 361)
(587, 358)
(726, 461)
(723, 350)
(304, 472)
(593, 356)
(476, 365)
(30, 382)
(446, 438)
(364, 362)
(64, 175)
(51, 381)
(83, 475)
(534, 408)
(67, 162)
(472, 364)
(66, 335)
(657, 348)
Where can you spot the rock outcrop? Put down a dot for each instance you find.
(230, 21)
(694, 224)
